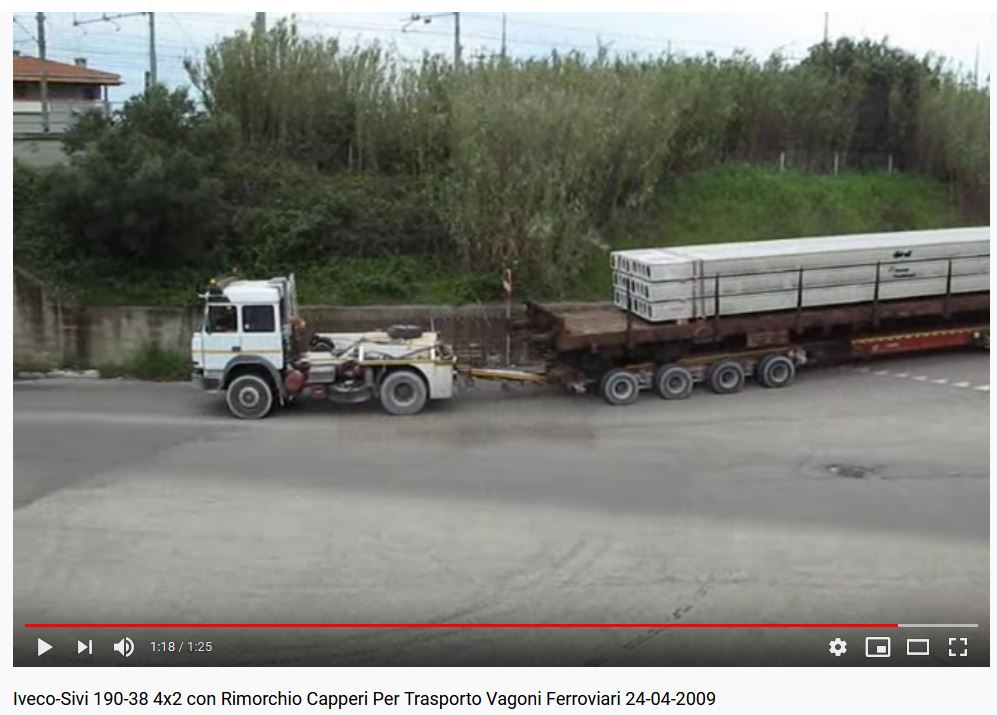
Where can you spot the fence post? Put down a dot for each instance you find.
(835, 163)
(875, 299)
(782, 161)
(889, 163)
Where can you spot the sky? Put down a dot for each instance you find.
(122, 46)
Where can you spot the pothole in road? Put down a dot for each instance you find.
(852, 471)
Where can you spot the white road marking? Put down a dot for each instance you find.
(921, 378)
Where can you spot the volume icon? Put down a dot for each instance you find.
(125, 646)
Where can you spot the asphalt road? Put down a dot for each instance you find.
(856, 495)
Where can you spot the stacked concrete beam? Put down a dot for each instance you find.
(681, 283)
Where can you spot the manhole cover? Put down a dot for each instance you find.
(854, 471)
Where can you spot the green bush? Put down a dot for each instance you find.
(152, 363)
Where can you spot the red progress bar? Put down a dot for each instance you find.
(461, 625)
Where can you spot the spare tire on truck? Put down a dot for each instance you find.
(404, 332)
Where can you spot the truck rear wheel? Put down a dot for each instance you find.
(673, 382)
(619, 387)
(725, 377)
(775, 371)
(249, 397)
(403, 392)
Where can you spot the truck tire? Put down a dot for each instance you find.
(673, 382)
(725, 377)
(249, 397)
(404, 332)
(775, 371)
(403, 392)
(619, 387)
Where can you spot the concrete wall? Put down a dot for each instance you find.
(49, 334)
(39, 152)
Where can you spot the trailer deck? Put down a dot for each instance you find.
(593, 328)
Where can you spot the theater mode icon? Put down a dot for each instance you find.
(918, 646)
(877, 647)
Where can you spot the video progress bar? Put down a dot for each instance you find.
(462, 625)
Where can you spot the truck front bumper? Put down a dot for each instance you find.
(211, 383)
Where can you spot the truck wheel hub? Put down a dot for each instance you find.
(403, 393)
(248, 397)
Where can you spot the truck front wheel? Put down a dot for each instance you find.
(249, 397)
(403, 393)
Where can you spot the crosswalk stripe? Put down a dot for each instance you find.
(983, 388)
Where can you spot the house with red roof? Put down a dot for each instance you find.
(73, 90)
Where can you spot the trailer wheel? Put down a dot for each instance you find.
(673, 382)
(776, 371)
(725, 377)
(249, 397)
(403, 392)
(619, 387)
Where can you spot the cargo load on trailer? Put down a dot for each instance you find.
(689, 282)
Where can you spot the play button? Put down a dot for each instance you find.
(43, 647)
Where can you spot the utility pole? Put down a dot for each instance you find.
(40, 17)
(976, 68)
(503, 34)
(153, 79)
(104, 17)
(426, 19)
(260, 24)
(826, 16)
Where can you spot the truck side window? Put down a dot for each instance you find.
(257, 319)
(222, 319)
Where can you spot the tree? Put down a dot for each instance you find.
(141, 188)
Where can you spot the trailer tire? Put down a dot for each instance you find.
(249, 397)
(619, 387)
(403, 392)
(775, 371)
(725, 377)
(673, 382)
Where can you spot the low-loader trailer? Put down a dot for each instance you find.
(254, 347)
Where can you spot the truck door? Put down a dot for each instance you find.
(220, 339)
(261, 335)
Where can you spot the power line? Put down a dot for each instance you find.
(17, 21)
(104, 17)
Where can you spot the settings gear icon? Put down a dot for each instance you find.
(838, 647)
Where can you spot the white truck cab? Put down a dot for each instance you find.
(253, 345)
